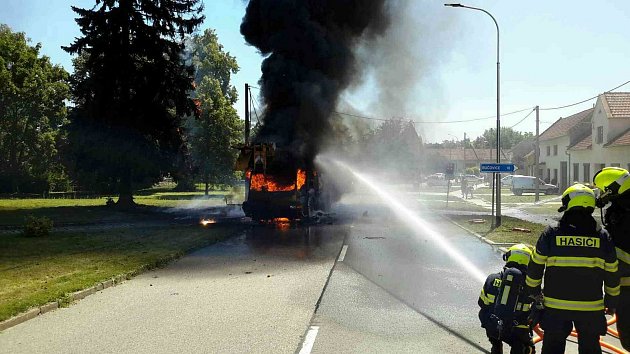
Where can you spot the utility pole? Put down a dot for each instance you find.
(537, 156)
(247, 121)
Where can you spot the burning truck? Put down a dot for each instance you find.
(278, 186)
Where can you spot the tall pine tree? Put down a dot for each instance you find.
(130, 89)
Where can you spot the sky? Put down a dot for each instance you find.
(552, 53)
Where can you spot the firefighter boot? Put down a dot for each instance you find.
(497, 346)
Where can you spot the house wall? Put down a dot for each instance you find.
(608, 156)
(553, 163)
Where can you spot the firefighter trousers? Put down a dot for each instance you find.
(623, 317)
(558, 324)
(519, 340)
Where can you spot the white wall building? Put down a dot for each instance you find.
(608, 143)
(555, 159)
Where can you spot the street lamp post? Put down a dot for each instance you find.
(497, 176)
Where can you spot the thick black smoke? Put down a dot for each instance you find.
(310, 59)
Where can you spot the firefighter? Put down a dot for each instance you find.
(614, 186)
(511, 327)
(576, 258)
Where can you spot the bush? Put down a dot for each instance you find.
(37, 226)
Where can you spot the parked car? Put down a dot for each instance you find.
(527, 184)
(472, 179)
(436, 179)
(507, 181)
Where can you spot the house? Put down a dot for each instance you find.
(554, 158)
(608, 140)
(464, 158)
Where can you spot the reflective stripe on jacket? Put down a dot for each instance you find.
(575, 265)
(488, 296)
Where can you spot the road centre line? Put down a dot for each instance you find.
(309, 340)
(342, 255)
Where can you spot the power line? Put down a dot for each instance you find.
(586, 100)
(520, 121)
(431, 122)
(475, 119)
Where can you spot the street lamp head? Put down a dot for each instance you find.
(454, 5)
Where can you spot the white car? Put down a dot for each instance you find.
(527, 184)
(436, 179)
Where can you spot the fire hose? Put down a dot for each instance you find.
(540, 335)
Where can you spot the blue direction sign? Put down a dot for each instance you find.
(496, 167)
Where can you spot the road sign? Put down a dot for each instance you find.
(496, 167)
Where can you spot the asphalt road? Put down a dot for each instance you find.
(367, 284)
(399, 291)
(255, 293)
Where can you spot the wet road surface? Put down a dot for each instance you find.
(365, 284)
(398, 291)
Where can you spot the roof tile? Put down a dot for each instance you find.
(583, 144)
(619, 104)
(562, 126)
(621, 140)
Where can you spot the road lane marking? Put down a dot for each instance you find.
(307, 346)
(342, 255)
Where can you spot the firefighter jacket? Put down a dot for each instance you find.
(575, 261)
(487, 300)
(617, 220)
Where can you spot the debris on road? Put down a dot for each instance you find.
(521, 229)
(476, 221)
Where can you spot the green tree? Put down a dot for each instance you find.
(213, 132)
(131, 90)
(395, 146)
(509, 138)
(32, 109)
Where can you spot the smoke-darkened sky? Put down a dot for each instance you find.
(310, 59)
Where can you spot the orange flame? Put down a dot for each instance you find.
(282, 223)
(260, 182)
(301, 178)
(205, 222)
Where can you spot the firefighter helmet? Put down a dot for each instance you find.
(578, 195)
(519, 253)
(615, 180)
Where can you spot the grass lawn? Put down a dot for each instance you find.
(543, 209)
(35, 271)
(504, 233)
(81, 211)
(453, 204)
(511, 198)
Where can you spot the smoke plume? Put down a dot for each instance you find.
(310, 48)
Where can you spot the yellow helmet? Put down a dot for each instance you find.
(578, 195)
(615, 180)
(519, 253)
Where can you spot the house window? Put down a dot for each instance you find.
(555, 176)
(548, 175)
(555, 150)
(600, 134)
(615, 164)
(576, 172)
(548, 150)
(587, 172)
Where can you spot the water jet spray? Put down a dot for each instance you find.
(414, 221)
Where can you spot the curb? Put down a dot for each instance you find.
(499, 247)
(78, 295)
(81, 294)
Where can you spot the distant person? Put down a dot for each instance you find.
(505, 306)
(577, 260)
(614, 186)
(464, 188)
